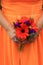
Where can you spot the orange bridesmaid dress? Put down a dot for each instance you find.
(32, 54)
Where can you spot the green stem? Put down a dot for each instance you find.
(21, 47)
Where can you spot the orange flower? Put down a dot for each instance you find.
(22, 32)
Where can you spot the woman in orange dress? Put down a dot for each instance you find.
(32, 54)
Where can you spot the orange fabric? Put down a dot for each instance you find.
(32, 54)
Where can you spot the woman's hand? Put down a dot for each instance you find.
(11, 32)
(12, 35)
(40, 26)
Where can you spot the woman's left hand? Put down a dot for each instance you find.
(40, 26)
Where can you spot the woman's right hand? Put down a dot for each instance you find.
(9, 29)
(12, 35)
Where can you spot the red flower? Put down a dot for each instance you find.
(31, 20)
(23, 19)
(22, 32)
(33, 25)
(24, 26)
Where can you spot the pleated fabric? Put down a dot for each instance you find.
(32, 54)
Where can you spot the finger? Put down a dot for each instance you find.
(15, 39)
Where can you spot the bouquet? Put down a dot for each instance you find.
(25, 28)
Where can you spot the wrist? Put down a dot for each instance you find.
(11, 33)
(40, 23)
